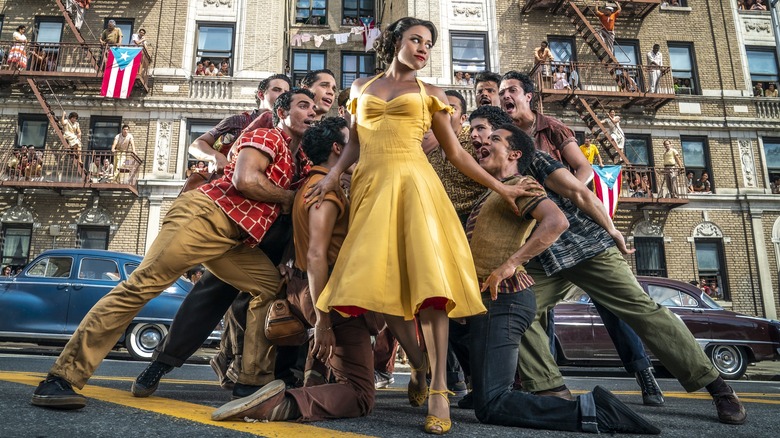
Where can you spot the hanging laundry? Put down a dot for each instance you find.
(372, 36)
(318, 39)
(341, 38)
(296, 40)
(306, 37)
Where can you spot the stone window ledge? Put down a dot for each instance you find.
(676, 8)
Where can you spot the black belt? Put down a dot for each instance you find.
(297, 273)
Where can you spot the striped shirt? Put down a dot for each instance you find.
(583, 240)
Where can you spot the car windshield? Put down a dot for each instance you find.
(710, 302)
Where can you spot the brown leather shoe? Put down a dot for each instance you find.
(563, 393)
(256, 406)
(730, 409)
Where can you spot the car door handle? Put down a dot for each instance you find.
(77, 286)
(63, 285)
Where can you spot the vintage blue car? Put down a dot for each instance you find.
(46, 301)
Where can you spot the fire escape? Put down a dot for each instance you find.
(67, 67)
(608, 84)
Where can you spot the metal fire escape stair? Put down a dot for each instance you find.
(588, 115)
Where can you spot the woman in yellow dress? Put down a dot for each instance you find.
(405, 254)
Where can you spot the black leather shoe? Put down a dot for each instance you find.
(730, 409)
(149, 379)
(467, 402)
(651, 392)
(240, 390)
(614, 416)
(55, 392)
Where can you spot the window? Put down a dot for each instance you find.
(637, 150)
(102, 131)
(469, 52)
(562, 48)
(196, 128)
(2, 19)
(215, 43)
(670, 297)
(99, 269)
(627, 53)
(681, 59)
(93, 237)
(696, 158)
(125, 25)
(305, 61)
(354, 9)
(712, 266)
(311, 11)
(762, 63)
(355, 65)
(16, 244)
(52, 267)
(32, 130)
(650, 256)
(48, 29)
(772, 155)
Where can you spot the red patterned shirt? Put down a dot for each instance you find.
(252, 216)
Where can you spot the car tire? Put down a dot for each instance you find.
(730, 361)
(141, 339)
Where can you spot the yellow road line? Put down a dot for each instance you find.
(188, 411)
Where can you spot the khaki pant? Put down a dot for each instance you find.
(608, 280)
(194, 231)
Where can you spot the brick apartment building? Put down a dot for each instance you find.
(704, 105)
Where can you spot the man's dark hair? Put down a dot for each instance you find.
(386, 44)
(265, 83)
(486, 76)
(525, 80)
(73, 114)
(284, 101)
(457, 95)
(125, 126)
(312, 77)
(318, 140)
(493, 114)
(522, 142)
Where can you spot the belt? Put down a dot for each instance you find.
(297, 273)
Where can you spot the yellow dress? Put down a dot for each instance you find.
(405, 243)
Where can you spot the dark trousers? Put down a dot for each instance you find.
(199, 313)
(495, 340)
(352, 366)
(458, 367)
(385, 349)
(627, 343)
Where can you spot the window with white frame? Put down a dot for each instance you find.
(469, 52)
(312, 12)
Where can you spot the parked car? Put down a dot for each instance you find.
(46, 301)
(731, 340)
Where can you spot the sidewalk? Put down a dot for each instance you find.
(763, 371)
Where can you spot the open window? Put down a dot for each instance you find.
(16, 244)
(682, 61)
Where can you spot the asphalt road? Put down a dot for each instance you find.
(182, 405)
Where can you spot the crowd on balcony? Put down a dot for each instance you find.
(751, 5)
(24, 164)
(206, 67)
(462, 78)
(765, 89)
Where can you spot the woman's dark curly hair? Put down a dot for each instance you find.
(385, 45)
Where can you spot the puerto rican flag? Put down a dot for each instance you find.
(122, 64)
(606, 185)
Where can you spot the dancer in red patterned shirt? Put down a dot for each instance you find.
(237, 208)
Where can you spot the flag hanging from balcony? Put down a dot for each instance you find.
(370, 33)
(122, 64)
(606, 185)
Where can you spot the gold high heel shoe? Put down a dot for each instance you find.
(417, 397)
(435, 425)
